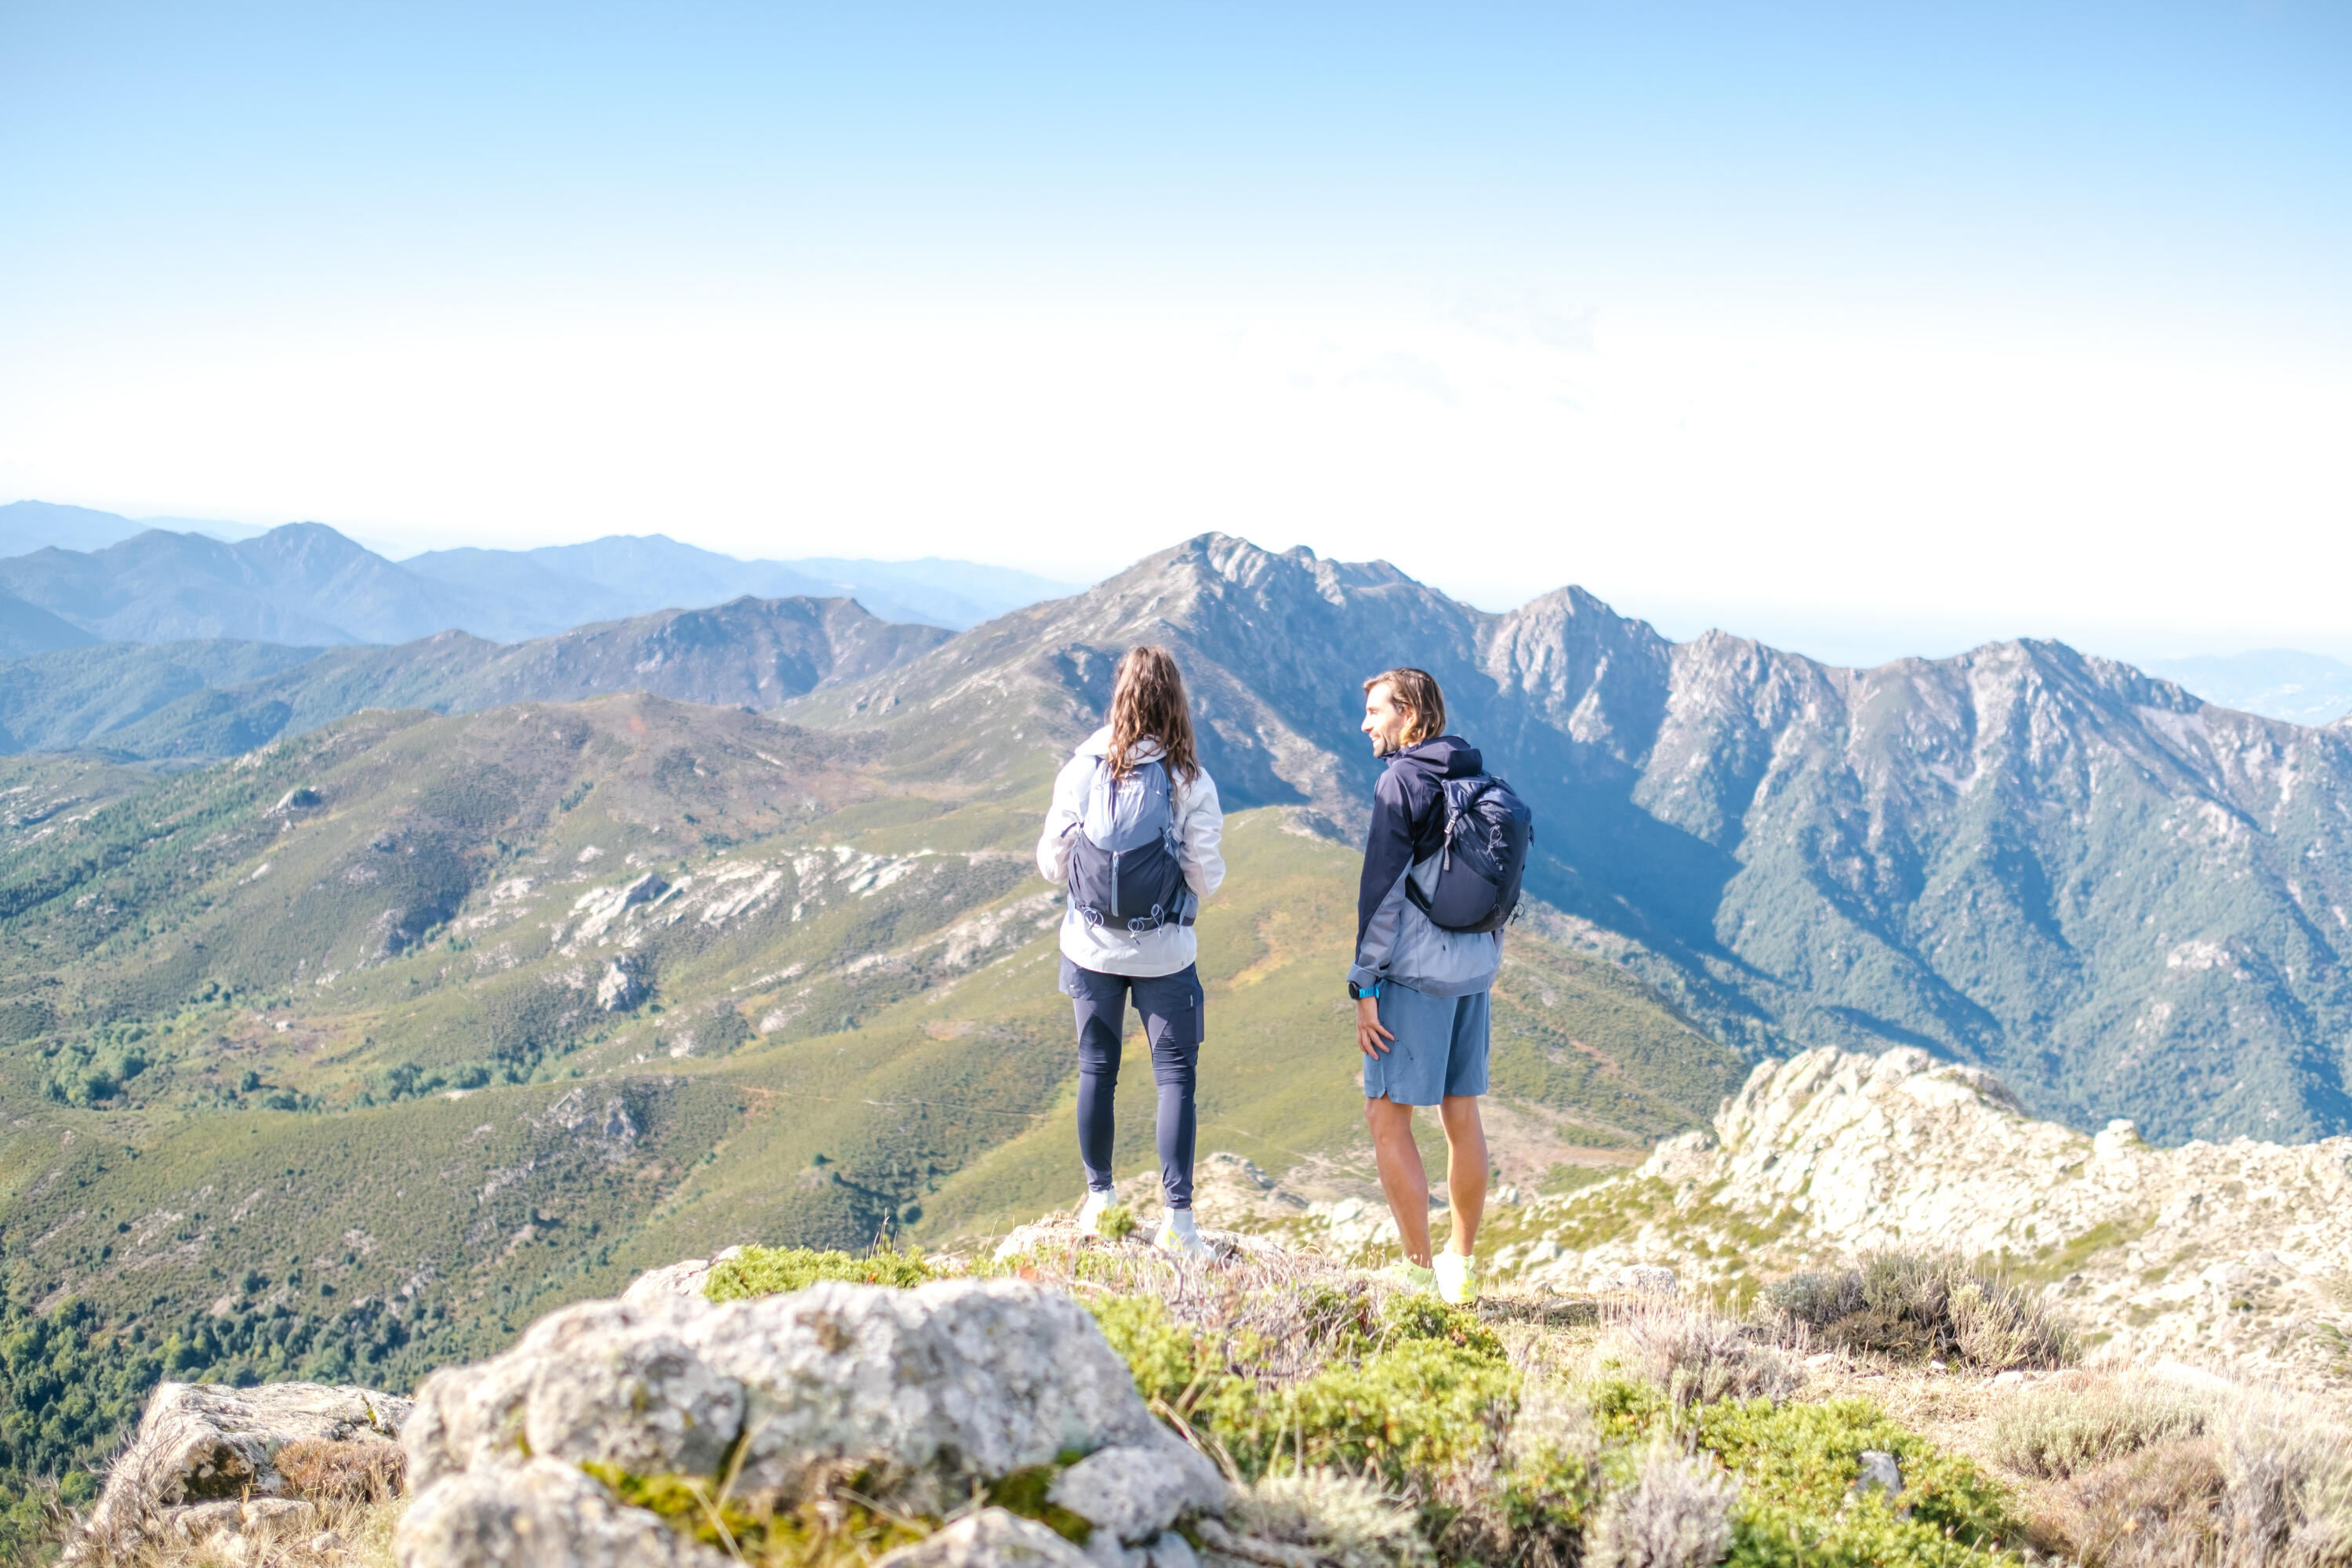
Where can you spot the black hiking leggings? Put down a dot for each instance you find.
(1170, 1005)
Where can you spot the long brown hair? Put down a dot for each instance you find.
(1147, 703)
(1414, 691)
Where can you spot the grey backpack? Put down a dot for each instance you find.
(1126, 870)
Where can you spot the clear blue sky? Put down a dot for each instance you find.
(1956, 321)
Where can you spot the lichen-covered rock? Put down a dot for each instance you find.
(199, 1445)
(1136, 1493)
(926, 1396)
(930, 1389)
(538, 1514)
(992, 1538)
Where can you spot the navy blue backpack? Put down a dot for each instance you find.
(1488, 833)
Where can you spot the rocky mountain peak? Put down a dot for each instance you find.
(2210, 1251)
(1992, 855)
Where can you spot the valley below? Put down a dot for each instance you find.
(360, 1007)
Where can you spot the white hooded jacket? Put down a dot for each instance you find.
(1200, 822)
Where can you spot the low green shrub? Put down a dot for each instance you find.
(1417, 1411)
(1410, 1315)
(1797, 1464)
(1684, 1446)
(1409, 1401)
(1807, 1457)
(772, 1270)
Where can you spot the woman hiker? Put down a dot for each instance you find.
(1132, 834)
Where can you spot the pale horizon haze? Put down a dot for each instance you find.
(1863, 329)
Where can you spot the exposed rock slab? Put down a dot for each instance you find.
(205, 1457)
(2239, 1251)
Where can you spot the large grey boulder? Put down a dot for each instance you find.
(207, 1459)
(928, 1395)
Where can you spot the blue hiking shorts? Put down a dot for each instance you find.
(1440, 1048)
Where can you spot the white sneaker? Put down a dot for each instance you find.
(1177, 1235)
(1090, 1212)
(1457, 1277)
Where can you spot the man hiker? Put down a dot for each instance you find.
(1428, 942)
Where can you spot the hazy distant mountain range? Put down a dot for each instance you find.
(160, 701)
(75, 576)
(2278, 683)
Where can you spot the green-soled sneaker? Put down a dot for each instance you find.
(1409, 1276)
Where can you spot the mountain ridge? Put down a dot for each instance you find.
(2126, 901)
(207, 699)
(2040, 860)
(305, 582)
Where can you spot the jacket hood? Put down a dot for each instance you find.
(1446, 757)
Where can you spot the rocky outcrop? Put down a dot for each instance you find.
(207, 1461)
(619, 989)
(930, 1396)
(2239, 1251)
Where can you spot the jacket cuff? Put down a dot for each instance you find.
(1363, 978)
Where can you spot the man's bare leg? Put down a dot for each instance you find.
(1402, 1177)
(1465, 1168)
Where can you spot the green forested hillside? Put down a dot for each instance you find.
(351, 1056)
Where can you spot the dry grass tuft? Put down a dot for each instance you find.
(2149, 1474)
(1916, 1307)
(1288, 1305)
(1676, 1514)
(2061, 1430)
(1343, 1519)
(341, 1533)
(363, 1470)
(1698, 1358)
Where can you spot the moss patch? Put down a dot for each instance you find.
(835, 1533)
(772, 1270)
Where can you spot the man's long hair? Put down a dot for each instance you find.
(1415, 691)
(1147, 703)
